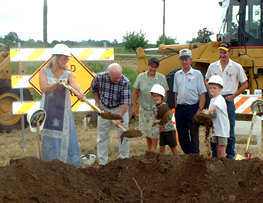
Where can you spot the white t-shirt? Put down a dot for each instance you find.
(220, 117)
(232, 75)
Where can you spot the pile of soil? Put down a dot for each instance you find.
(151, 178)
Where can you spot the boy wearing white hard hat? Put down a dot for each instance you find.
(167, 131)
(218, 110)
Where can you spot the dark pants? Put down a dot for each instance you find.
(188, 137)
(230, 149)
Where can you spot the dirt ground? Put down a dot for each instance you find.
(145, 177)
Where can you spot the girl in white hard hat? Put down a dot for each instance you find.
(59, 138)
(167, 131)
(218, 110)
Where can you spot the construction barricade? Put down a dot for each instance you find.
(244, 114)
(82, 74)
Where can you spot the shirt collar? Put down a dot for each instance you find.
(230, 62)
(189, 72)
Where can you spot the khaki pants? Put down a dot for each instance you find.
(104, 127)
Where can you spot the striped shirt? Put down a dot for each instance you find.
(111, 95)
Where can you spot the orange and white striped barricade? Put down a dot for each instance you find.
(243, 113)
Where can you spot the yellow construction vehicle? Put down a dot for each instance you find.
(242, 26)
(8, 121)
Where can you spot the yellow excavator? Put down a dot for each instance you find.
(8, 121)
(242, 26)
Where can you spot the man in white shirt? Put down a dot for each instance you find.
(233, 74)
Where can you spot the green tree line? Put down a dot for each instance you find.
(130, 41)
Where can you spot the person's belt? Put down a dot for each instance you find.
(187, 104)
(110, 107)
(226, 95)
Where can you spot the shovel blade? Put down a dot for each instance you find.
(131, 133)
(110, 116)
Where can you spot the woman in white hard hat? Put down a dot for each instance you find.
(59, 138)
(141, 94)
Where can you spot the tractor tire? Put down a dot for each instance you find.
(8, 121)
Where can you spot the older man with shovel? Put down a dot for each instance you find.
(111, 91)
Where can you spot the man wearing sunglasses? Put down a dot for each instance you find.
(233, 74)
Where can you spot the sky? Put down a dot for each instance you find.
(79, 20)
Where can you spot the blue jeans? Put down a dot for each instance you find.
(188, 137)
(230, 149)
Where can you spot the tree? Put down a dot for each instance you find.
(203, 36)
(167, 40)
(134, 40)
(115, 42)
(12, 36)
(11, 39)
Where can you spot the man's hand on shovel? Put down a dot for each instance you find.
(105, 115)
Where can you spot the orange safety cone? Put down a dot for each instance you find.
(176, 133)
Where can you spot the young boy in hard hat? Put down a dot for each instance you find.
(167, 131)
(218, 110)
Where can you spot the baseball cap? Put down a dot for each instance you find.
(224, 46)
(185, 53)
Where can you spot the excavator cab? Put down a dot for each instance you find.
(242, 22)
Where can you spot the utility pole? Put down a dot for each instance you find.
(45, 23)
(163, 21)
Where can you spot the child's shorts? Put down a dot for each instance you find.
(219, 140)
(168, 138)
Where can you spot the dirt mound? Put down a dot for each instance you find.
(151, 178)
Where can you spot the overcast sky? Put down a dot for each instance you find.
(79, 20)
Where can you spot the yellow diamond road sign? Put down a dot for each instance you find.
(82, 74)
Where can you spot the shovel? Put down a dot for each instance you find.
(39, 141)
(257, 109)
(105, 115)
(127, 133)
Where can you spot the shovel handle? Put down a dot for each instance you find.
(251, 129)
(93, 106)
(119, 125)
(85, 99)
(39, 141)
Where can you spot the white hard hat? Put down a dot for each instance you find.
(61, 49)
(158, 89)
(34, 116)
(216, 79)
(185, 53)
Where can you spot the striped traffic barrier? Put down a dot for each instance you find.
(43, 54)
(20, 81)
(243, 103)
(23, 107)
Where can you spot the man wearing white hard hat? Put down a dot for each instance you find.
(189, 96)
(218, 110)
(233, 74)
(59, 138)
